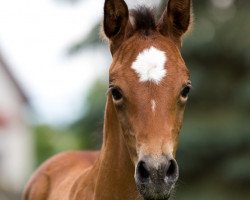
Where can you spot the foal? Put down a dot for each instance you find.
(148, 89)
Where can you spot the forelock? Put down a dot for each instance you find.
(143, 20)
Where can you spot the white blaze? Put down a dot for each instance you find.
(150, 65)
(153, 105)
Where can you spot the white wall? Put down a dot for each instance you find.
(16, 149)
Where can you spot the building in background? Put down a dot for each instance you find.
(16, 149)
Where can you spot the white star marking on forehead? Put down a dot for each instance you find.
(150, 65)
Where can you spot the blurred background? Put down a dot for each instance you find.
(53, 80)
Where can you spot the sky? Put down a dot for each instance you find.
(34, 38)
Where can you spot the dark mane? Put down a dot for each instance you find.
(143, 20)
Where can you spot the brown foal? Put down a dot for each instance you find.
(148, 90)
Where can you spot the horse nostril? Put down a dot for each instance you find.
(148, 172)
(143, 172)
(172, 170)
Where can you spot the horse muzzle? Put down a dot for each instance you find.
(156, 177)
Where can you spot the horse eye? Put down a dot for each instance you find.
(185, 91)
(116, 94)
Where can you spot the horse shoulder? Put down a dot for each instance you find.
(57, 175)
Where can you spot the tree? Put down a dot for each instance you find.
(90, 124)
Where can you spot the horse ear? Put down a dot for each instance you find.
(176, 19)
(116, 17)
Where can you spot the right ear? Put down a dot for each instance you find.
(116, 17)
(176, 19)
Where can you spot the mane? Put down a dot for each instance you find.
(143, 20)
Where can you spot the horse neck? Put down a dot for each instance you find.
(116, 170)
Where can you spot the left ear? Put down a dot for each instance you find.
(116, 17)
(176, 19)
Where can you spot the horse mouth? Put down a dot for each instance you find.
(154, 193)
(167, 197)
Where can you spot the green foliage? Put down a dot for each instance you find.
(214, 154)
(50, 141)
(89, 126)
